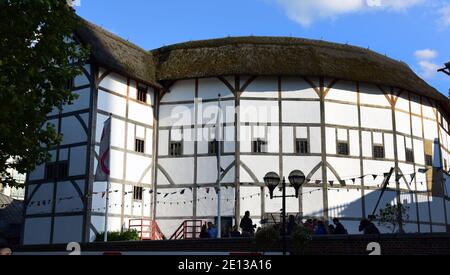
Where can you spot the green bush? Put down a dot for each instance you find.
(117, 236)
(301, 236)
(266, 238)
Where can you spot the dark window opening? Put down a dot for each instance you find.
(142, 94)
(301, 146)
(139, 146)
(409, 155)
(57, 170)
(212, 147)
(137, 193)
(259, 146)
(378, 151)
(428, 160)
(343, 149)
(176, 148)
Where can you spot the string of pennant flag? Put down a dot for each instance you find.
(185, 202)
(208, 189)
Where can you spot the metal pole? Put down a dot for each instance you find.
(105, 238)
(218, 139)
(106, 212)
(284, 216)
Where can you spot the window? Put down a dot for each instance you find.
(139, 146)
(212, 147)
(301, 146)
(428, 160)
(409, 155)
(70, 84)
(176, 148)
(378, 151)
(342, 148)
(137, 193)
(259, 146)
(142, 94)
(57, 170)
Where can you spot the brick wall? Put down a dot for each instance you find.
(414, 244)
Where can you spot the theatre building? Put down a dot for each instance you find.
(341, 114)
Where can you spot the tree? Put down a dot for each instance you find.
(393, 215)
(37, 57)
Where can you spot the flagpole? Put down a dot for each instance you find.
(108, 184)
(219, 149)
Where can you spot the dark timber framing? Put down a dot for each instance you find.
(237, 89)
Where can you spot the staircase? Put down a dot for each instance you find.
(147, 229)
(189, 229)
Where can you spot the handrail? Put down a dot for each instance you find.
(147, 229)
(183, 231)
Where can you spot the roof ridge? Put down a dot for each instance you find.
(114, 36)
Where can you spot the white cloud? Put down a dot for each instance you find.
(444, 13)
(429, 69)
(426, 54)
(305, 12)
(425, 57)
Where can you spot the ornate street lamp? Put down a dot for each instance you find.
(272, 180)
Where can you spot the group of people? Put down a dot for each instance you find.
(209, 230)
(316, 226)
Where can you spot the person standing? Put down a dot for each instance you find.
(248, 229)
(339, 227)
(212, 230)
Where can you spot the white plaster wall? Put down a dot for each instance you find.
(210, 88)
(207, 169)
(343, 91)
(142, 113)
(259, 110)
(376, 118)
(370, 94)
(81, 103)
(182, 90)
(44, 193)
(207, 202)
(33, 225)
(181, 170)
(301, 112)
(68, 229)
(116, 83)
(72, 131)
(344, 203)
(67, 190)
(293, 87)
(265, 87)
(111, 103)
(176, 115)
(341, 114)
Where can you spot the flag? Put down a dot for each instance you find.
(103, 172)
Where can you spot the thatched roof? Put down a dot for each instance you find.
(118, 54)
(288, 57)
(254, 56)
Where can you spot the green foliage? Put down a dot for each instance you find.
(36, 62)
(392, 215)
(117, 236)
(301, 236)
(267, 237)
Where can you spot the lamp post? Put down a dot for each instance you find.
(272, 180)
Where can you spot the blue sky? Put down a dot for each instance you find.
(414, 31)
